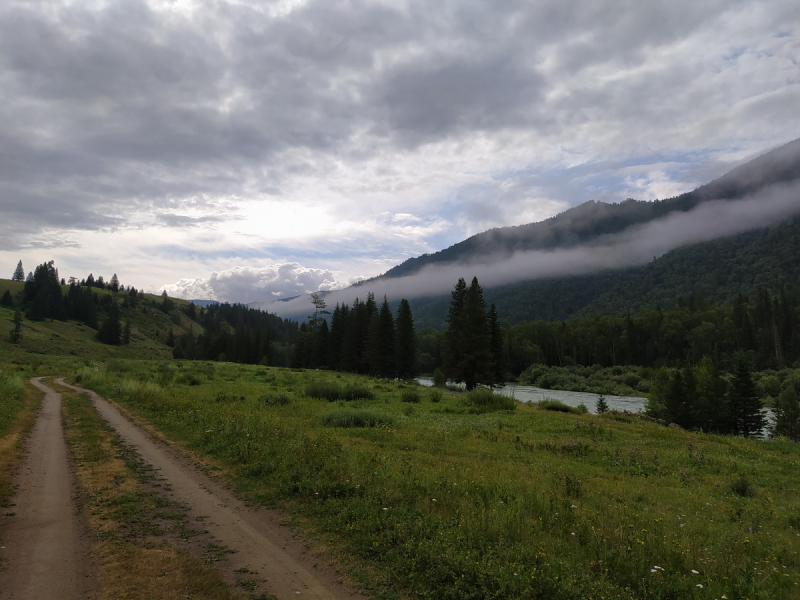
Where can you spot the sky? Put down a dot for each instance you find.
(248, 151)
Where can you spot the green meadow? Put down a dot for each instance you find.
(425, 494)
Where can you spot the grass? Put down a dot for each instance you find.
(455, 501)
(134, 558)
(348, 417)
(19, 401)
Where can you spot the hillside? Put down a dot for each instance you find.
(149, 331)
(592, 219)
(716, 270)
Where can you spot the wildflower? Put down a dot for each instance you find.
(695, 572)
(384, 508)
(700, 585)
(433, 499)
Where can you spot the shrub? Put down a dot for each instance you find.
(742, 487)
(411, 396)
(332, 391)
(347, 417)
(487, 400)
(555, 405)
(275, 399)
(436, 395)
(439, 379)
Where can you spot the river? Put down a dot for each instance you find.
(530, 393)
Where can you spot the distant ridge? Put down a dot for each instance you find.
(593, 219)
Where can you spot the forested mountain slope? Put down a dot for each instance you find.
(716, 270)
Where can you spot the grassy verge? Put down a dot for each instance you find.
(19, 402)
(132, 523)
(448, 503)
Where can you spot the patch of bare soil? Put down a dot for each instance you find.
(44, 545)
(256, 546)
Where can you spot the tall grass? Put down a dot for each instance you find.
(486, 400)
(356, 418)
(502, 504)
(331, 391)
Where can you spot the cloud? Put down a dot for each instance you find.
(255, 284)
(633, 247)
(297, 121)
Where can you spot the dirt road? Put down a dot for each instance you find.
(43, 545)
(261, 544)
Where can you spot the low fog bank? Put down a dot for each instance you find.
(632, 247)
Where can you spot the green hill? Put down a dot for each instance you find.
(150, 327)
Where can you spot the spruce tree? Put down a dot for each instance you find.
(406, 342)
(745, 407)
(19, 273)
(111, 332)
(16, 333)
(496, 336)
(7, 299)
(381, 342)
(453, 344)
(787, 414)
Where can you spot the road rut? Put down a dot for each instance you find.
(261, 543)
(44, 545)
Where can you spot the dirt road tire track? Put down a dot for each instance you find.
(44, 546)
(257, 536)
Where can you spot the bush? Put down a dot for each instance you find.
(356, 418)
(411, 396)
(275, 399)
(439, 379)
(436, 395)
(555, 405)
(486, 400)
(332, 392)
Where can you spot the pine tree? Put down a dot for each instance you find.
(787, 414)
(745, 407)
(16, 333)
(113, 285)
(19, 273)
(126, 333)
(496, 336)
(381, 342)
(110, 332)
(601, 405)
(406, 342)
(7, 299)
(453, 342)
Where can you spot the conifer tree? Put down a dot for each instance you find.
(787, 414)
(406, 342)
(110, 332)
(7, 299)
(16, 333)
(745, 407)
(19, 273)
(381, 342)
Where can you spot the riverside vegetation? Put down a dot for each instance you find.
(459, 496)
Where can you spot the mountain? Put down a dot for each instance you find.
(716, 270)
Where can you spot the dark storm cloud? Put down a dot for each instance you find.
(115, 112)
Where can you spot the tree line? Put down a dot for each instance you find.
(362, 338)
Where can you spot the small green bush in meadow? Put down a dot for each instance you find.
(347, 417)
(275, 399)
(332, 392)
(556, 406)
(411, 396)
(486, 400)
(436, 395)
